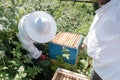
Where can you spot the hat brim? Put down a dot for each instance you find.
(35, 35)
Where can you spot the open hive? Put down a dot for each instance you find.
(63, 74)
(67, 39)
(65, 43)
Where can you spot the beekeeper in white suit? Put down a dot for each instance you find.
(37, 27)
(103, 41)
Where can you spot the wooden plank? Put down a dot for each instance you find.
(77, 41)
(57, 37)
(58, 76)
(62, 76)
(86, 1)
(67, 39)
(72, 74)
(72, 40)
(55, 76)
(76, 36)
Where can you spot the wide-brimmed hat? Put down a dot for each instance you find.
(40, 26)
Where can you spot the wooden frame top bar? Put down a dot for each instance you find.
(67, 39)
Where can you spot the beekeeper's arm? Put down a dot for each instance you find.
(29, 46)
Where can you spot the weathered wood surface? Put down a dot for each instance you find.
(63, 74)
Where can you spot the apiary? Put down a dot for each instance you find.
(63, 74)
(65, 44)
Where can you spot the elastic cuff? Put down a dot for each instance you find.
(37, 54)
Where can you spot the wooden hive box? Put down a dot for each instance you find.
(67, 44)
(63, 74)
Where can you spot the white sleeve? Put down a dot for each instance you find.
(85, 40)
(34, 52)
(29, 46)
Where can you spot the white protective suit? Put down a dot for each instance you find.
(103, 41)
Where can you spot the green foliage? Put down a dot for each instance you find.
(14, 60)
(15, 63)
(84, 63)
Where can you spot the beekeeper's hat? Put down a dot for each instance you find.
(39, 26)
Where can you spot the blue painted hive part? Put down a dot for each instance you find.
(67, 45)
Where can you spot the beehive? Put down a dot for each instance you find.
(63, 74)
(65, 42)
